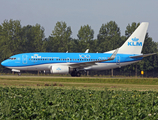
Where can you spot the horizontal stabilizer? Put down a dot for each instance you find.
(144, 55)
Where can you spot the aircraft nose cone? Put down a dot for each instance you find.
(3, 63)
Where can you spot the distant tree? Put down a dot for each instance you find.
(74, 45)
(108, 37)
(130, 29)
(85, 36)
(61, 37)
(10, 38)
(48, 44)
(33, 37)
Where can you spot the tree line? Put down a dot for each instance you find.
(15, 38)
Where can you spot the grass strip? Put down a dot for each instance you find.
(139, 81)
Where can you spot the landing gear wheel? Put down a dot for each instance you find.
(75, 74)
(78, 74)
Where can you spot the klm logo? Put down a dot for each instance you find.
(135, 42)
(58, 68)
(35, 56)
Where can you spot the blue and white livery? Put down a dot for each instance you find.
(73, 63)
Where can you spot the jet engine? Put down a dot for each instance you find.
(60, 69)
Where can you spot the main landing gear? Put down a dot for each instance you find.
(75, 74)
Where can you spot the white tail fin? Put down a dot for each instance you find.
(134, 43)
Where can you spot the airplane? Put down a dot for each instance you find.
(73, 63)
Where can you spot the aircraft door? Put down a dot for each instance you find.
(68, 59)
(24, 59)
(117, 60)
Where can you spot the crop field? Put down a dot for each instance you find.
(59, 98)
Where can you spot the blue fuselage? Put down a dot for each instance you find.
(26, 60)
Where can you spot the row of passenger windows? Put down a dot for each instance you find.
(71, 59)
(40, 59)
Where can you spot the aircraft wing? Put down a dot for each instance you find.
(86, 64)
(144, 55)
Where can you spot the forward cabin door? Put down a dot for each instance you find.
(67, 59)
(24, 59)
(117, 60)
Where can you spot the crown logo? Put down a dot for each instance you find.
(58, 68)
(135, 39)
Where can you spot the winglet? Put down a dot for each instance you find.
(87, 51)
(114, 54)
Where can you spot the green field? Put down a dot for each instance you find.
(81, 82)
(32, 97)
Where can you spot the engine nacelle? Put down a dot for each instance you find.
(15, 70)
(59, 69)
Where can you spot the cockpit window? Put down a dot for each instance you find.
(12, 58)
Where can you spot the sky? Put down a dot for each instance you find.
(77, 13)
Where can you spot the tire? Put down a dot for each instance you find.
(78, 74)
(73, 74)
